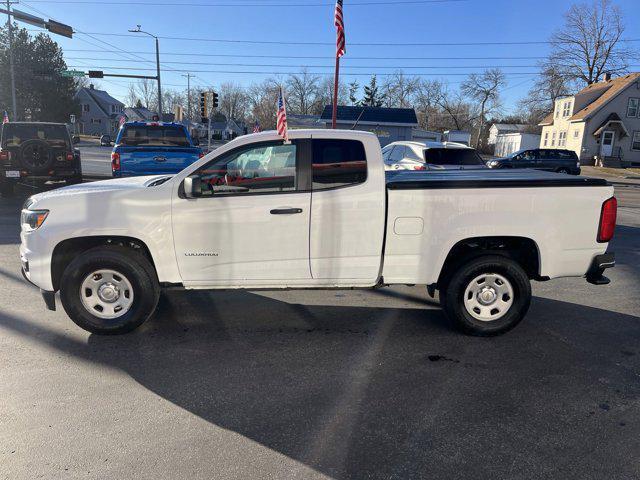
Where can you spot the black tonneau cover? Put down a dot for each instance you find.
(413, 180)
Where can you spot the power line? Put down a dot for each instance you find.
(397, 67)
(297, 72)
(316, 57)
(383, 44)
(252, 5)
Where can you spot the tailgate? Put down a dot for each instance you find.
(156, 160)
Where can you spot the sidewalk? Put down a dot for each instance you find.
(617, 175)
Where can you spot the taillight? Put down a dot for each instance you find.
(5, 156)
(608, 217)
(201, 154)
(69, 157)
(419, 167)
(115, 161)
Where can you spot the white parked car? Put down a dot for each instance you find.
(430, 156)
(316, 212)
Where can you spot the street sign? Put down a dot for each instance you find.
(96, 74)
(72, 73)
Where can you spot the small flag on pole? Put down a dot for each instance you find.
(256, 127)
(341, 44)
(5, 117)
(123, 120)
(282, 117)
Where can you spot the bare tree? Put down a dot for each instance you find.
(325, 95)
(262, 99)
(399, 90)
(145, 89)
(132, 98)
(589, 44)
(456, 113)
(548, 87)
(233, 101)
(302, 92)
(485, 90)
(426, 98)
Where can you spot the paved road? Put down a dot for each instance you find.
(311, 385)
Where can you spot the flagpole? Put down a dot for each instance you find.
(335, 93)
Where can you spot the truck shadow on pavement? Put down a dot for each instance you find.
(361, 392)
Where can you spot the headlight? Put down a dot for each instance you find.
(494, 163)
(31, 220)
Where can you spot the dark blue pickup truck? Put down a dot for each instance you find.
(153, 148)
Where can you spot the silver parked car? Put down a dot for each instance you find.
(430, 156)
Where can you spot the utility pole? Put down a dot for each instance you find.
(11, 66)
(138, 30)
(188, 76)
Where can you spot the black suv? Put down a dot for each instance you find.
(554, 160)
(37, 153)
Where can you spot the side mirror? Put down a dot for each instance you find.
(75, 139)
(192, 186)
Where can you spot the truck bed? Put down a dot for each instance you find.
(415, 180)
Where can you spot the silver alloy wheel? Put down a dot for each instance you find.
(106, 294)
(488, 297)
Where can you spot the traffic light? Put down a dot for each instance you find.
(204, 110)
(96, 74)
(215, 99)
(59, 28)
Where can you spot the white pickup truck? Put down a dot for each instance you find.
(317, 212)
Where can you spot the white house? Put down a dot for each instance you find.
(507, 143)
(601, 123)
(504, 128)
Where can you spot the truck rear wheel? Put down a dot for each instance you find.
(109, 290)
(487, 296)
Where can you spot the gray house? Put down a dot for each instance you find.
(389, 124)
(101, 113)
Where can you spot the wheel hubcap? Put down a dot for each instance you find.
(106, 294)
(488, 297)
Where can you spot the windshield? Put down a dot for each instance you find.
(154, 136)
(452, 156)
(14, 134)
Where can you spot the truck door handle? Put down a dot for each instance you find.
(160, 159)
(286, 211)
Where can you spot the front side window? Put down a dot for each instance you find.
(264, 168)
(338, 163)
(635, 144)
(633, 107)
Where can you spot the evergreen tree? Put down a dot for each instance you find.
(42, 93)
(372, 97)
(354, 88)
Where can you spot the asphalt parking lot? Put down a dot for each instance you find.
(342, 385)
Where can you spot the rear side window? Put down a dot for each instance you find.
(154, 136)
(567, 155)
(338, 163)
(14, 134)
(452, 156)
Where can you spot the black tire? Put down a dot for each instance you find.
(133, 266)
(453, 295)
(74, 180)
(563, 170)
(36, 156)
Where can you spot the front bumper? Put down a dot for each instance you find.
(48, 297)
(598, 266)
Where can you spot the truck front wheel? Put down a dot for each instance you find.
(487, 296)
(109, 290)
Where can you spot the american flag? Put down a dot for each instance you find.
(123, 120)
(341, 45)
(5, 117)
(282, 117)
(256, 127)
